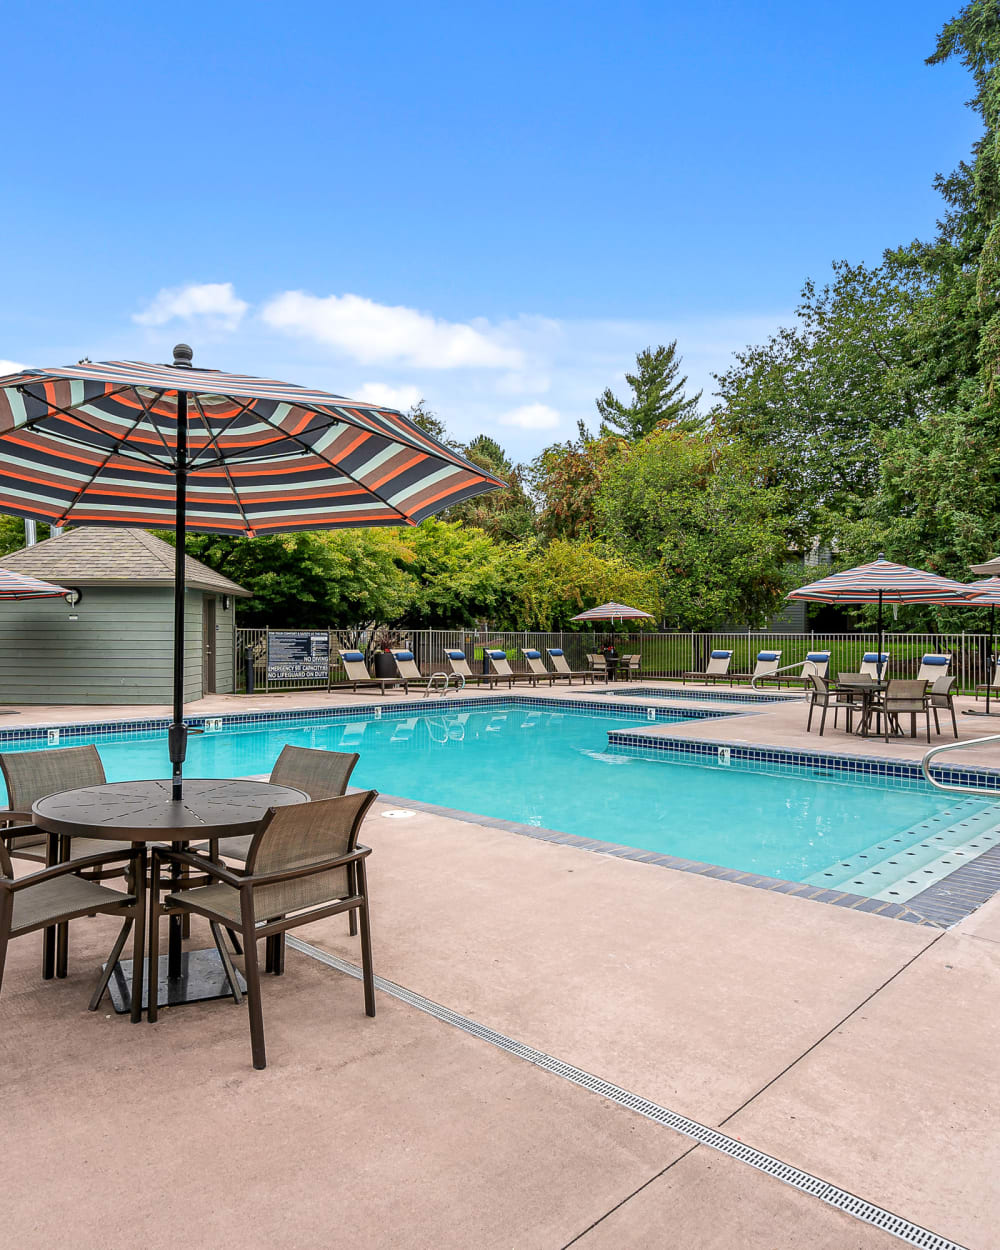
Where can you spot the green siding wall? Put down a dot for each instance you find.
(119, 650)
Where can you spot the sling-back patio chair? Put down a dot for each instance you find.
(904, 698)
(305, 863)
(502, 671)
(536, 666)
(628, 665)
(717, 670)
(407, 668)
(33, 775)
(598, 665)
(561, 665)
(822, 696)
(358, 674)
(933, 666)
(54, 896)
(994, 685)
(941, 696)
(766, 665)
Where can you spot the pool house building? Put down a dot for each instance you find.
(114, 643)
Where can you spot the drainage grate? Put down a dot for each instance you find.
(701, 1133)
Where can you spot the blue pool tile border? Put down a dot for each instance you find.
(745, 696)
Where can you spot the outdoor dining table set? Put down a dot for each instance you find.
(296, 833)
(882, 702)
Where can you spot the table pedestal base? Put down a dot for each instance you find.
(202, 977)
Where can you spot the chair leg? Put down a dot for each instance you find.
(227, 963)
(352, 888)
(153, 972)
(252, 969)
(237, 948)
(367, 974)
(809, 722)
(954, 723)
(822, 720)
(937, 723)
(139, 944)
(6, 916)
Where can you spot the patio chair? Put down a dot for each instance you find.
(933, 666)
(904, 698)
(358, 674)
(942, 695)
(304, 864)
(33, 775)
(55, 896)
(561, 666)
(766, 666)
(870, 665)
(821, 695)
(628, 664)
(718, 668)
(537, 667)
(502, 671)
(598, 665)
(994, 685)
(407, 668)
(459, 665)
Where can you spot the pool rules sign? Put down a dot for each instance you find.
(294, 654)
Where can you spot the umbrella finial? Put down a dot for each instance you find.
(881, 554)
(183, 355)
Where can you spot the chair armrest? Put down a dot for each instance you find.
(71, 866)
(208, 866)
(307, 870)
(8, 814)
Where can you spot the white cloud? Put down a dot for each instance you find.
(216, 302)
(401, 397)
(9, 366)
(383, 334)
(531, 417)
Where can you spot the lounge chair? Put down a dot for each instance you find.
(537, 667)
(933, 666)
(54, 896)
(718, 669)
(816, 662)
(561, 666)
(766, 666)
(459, 665)
(942, 695)
(502, 671)
(407, 668)
(994, 686)
(870, 667)
(304, 864)
(358, 675)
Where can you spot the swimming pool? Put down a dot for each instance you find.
(554, 769)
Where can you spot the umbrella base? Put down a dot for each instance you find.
(973, 711)
(202, 977)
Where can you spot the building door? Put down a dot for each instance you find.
(208, 641)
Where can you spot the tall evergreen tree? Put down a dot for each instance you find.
(658, 398)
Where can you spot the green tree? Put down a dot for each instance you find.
(658, 397)
(506, 515)
(428, 421)
(460, 573)
(565, 479)
(702, 513)
(556, 580)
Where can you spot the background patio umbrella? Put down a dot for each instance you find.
(18, 586)
(146, 445)
(987, 594)
(883, 582)
(612, 612)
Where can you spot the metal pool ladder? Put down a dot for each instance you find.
(925, 767)
(445, 679)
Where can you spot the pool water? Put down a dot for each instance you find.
(555, 770)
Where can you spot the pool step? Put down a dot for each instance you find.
(904, 864)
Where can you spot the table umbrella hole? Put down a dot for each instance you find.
(398, 813)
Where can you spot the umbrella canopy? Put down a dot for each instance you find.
(17, 586)
(613, 612)
(881, 582)
(126, 443)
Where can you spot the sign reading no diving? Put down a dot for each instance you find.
(295, 653)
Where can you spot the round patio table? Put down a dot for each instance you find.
(142, 812)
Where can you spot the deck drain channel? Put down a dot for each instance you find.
(701, 1133)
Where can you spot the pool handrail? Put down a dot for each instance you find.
(925, 767)
(767, 676)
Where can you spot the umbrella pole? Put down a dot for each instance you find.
(177, 733)
(989, 657)
(878, 658)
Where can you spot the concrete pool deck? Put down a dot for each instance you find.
(842, 1043)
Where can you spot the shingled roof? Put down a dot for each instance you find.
(96, 556)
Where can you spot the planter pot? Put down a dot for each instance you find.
(384, 664)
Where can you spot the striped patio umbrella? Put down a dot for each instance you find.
(17, 586)
(145, 445)
(613, 612)
(883, 582)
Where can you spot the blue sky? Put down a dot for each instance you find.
(492, 207)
